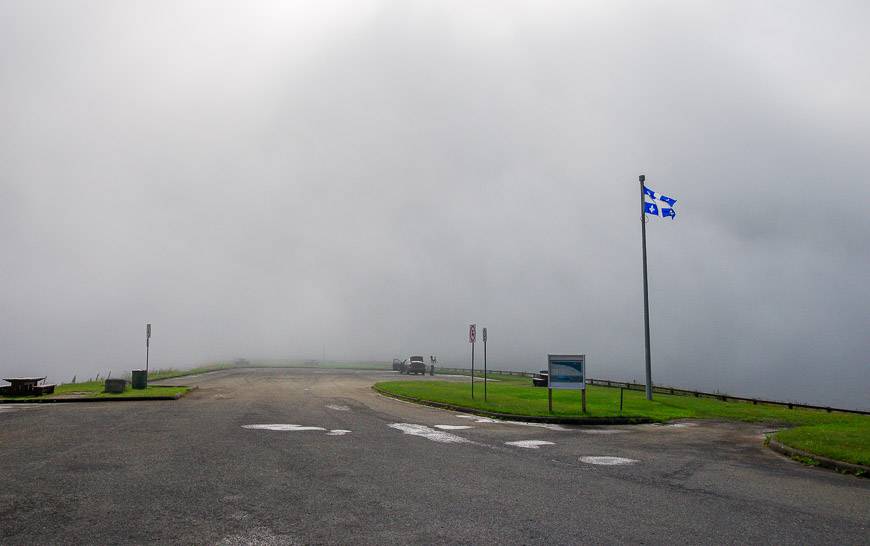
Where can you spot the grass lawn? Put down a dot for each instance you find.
(841, 436)
(840, 441)
(94, 389)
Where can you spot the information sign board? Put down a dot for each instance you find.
(567, 371)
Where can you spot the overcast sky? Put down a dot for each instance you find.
(269, 179)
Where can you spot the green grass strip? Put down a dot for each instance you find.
(840, 436)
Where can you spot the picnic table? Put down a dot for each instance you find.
(23, 386)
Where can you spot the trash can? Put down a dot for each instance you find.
(140, 379)
(115, 386)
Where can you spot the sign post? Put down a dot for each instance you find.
(147, 345)
(472, 337)
(484, 364)
(566, 372)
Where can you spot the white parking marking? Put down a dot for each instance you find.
(548, 426)
(477, 419)
(453, 427)
(337, 432)
(429, 433)
(476, 379)
(607, 461)
(337, 407)
(282, 427)
(530, 444)
(6, 408)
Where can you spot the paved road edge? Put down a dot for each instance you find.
(118, 399)
(825, 462)
(512, 417)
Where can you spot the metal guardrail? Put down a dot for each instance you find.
(670, 390)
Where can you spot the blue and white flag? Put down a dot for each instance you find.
(664, 207)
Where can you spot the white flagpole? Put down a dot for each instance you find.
(649, 392)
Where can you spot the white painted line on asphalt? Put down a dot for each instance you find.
(548, 426)
(453, 427)
(607, 461)
(282, 427)
(337, 407)
(7, 408)
(337, 432)
(429, 433)
(476, 418)
(530, 444)
(476, 379)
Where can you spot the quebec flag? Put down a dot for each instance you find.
(657, 204)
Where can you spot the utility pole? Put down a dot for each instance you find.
(649, 392)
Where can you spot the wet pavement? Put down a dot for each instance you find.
(300, 456)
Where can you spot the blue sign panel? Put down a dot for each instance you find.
(567, 371)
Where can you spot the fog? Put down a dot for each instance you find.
(362, 180)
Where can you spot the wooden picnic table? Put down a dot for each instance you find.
(23, 386)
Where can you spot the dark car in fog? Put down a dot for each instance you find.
(414, 364)
(541, 379)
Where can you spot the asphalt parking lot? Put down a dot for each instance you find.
(301, 456)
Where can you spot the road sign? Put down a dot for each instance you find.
(472, 333)
(567, 371)
(484, 335)
(148, 331)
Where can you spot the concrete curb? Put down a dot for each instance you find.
(825, 462)
(525, 418)
(118, 399)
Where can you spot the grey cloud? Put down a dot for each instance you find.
(266, 181)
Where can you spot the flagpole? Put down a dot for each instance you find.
(649, 394)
